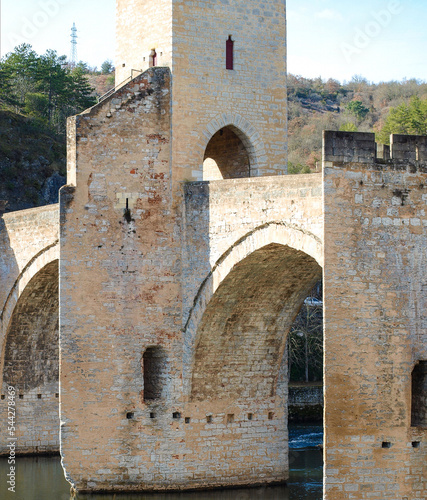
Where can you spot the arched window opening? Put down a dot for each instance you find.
(229, 53)
(155, 373)
(225, 157)
(419, 395)
(153, 58)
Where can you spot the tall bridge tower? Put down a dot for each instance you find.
(151, 390)
(228, 64)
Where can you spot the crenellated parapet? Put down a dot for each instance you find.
(360, 147)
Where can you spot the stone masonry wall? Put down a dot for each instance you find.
(141, 26)
(375, 322)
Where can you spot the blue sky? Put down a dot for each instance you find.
(381, 40)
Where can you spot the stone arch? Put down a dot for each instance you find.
(226, 157)
(30, 359)
(265, 241)
(38, 262)
(246, 132)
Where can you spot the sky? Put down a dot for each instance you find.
(381, 40)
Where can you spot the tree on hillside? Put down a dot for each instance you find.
(405, 119)
(44, 87)
(20, 66)
(6, 97)
(52, 81)
(107, 67)
(357, 109)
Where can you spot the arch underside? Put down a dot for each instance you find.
(246, 133)
(31, 362)
(241, 338)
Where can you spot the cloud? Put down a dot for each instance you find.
(331, 15)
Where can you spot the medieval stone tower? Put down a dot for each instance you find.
(152, 395)
(228, 65)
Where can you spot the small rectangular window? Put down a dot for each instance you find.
(229, 53)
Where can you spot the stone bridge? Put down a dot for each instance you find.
(29, 282)
(176, 298)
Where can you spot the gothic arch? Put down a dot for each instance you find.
(273, 240)
(246, 133)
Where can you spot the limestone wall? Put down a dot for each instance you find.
(375, 324)
(141, 26)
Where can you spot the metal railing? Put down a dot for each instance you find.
(124, 82)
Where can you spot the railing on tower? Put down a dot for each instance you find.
(124, 82)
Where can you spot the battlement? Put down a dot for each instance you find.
(360, 147)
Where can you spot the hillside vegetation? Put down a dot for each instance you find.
(37, 93)
(315, 105)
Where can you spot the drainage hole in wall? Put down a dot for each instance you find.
(230, 418)
(209, 419)
(386, 444)
(39, 396)
(187, 420)
(21, 396)
(270, 415)
(56, 395)
(416, 444)
(152, 415)
(176, 415)
(2, 396)
(130, 415)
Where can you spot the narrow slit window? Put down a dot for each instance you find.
(229, 53)
(153, 58)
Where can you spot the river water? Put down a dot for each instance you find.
(41, 478)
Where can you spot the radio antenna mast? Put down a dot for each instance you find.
(74, 45)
